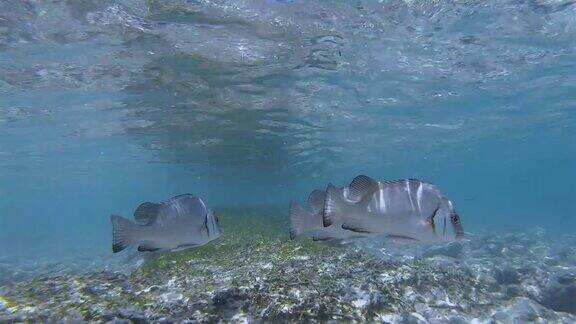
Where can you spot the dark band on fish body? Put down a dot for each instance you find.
(206, 224)
(431, 219)
(330, 205)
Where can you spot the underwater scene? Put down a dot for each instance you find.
(391, 161)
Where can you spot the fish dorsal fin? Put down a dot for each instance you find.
(360, 187)
(322, 237)
(356, 225)
(187, 207)
(316, 200)
(146, 212)
(183, 198)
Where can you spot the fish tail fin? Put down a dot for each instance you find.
(123, 233)
(333, 205)
(299, 220)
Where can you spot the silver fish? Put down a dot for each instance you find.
(309, 223)
(181, 222)
(402, 209)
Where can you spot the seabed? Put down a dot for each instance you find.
(255, 273)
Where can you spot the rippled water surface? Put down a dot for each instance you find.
(105, 104)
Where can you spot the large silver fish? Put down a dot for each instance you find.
(179, 223)
(404, 209)
(309, 223)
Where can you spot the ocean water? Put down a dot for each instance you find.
(251, 104)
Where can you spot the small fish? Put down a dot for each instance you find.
(309, 223)
(402, 209)
(179, 223)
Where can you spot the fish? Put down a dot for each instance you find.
(406, 209)
(305, 222)
(179, 223)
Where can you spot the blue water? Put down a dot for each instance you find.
(106, 104)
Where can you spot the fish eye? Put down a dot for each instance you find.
(455, 219)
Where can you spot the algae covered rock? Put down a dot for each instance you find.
(561, 295)
(263, 279)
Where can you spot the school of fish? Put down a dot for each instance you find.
(407, 210)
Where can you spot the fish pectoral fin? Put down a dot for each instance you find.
(401, 237)
(147, 247)
(361, 186)
(355, 226)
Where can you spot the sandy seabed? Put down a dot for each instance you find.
(242, 277)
